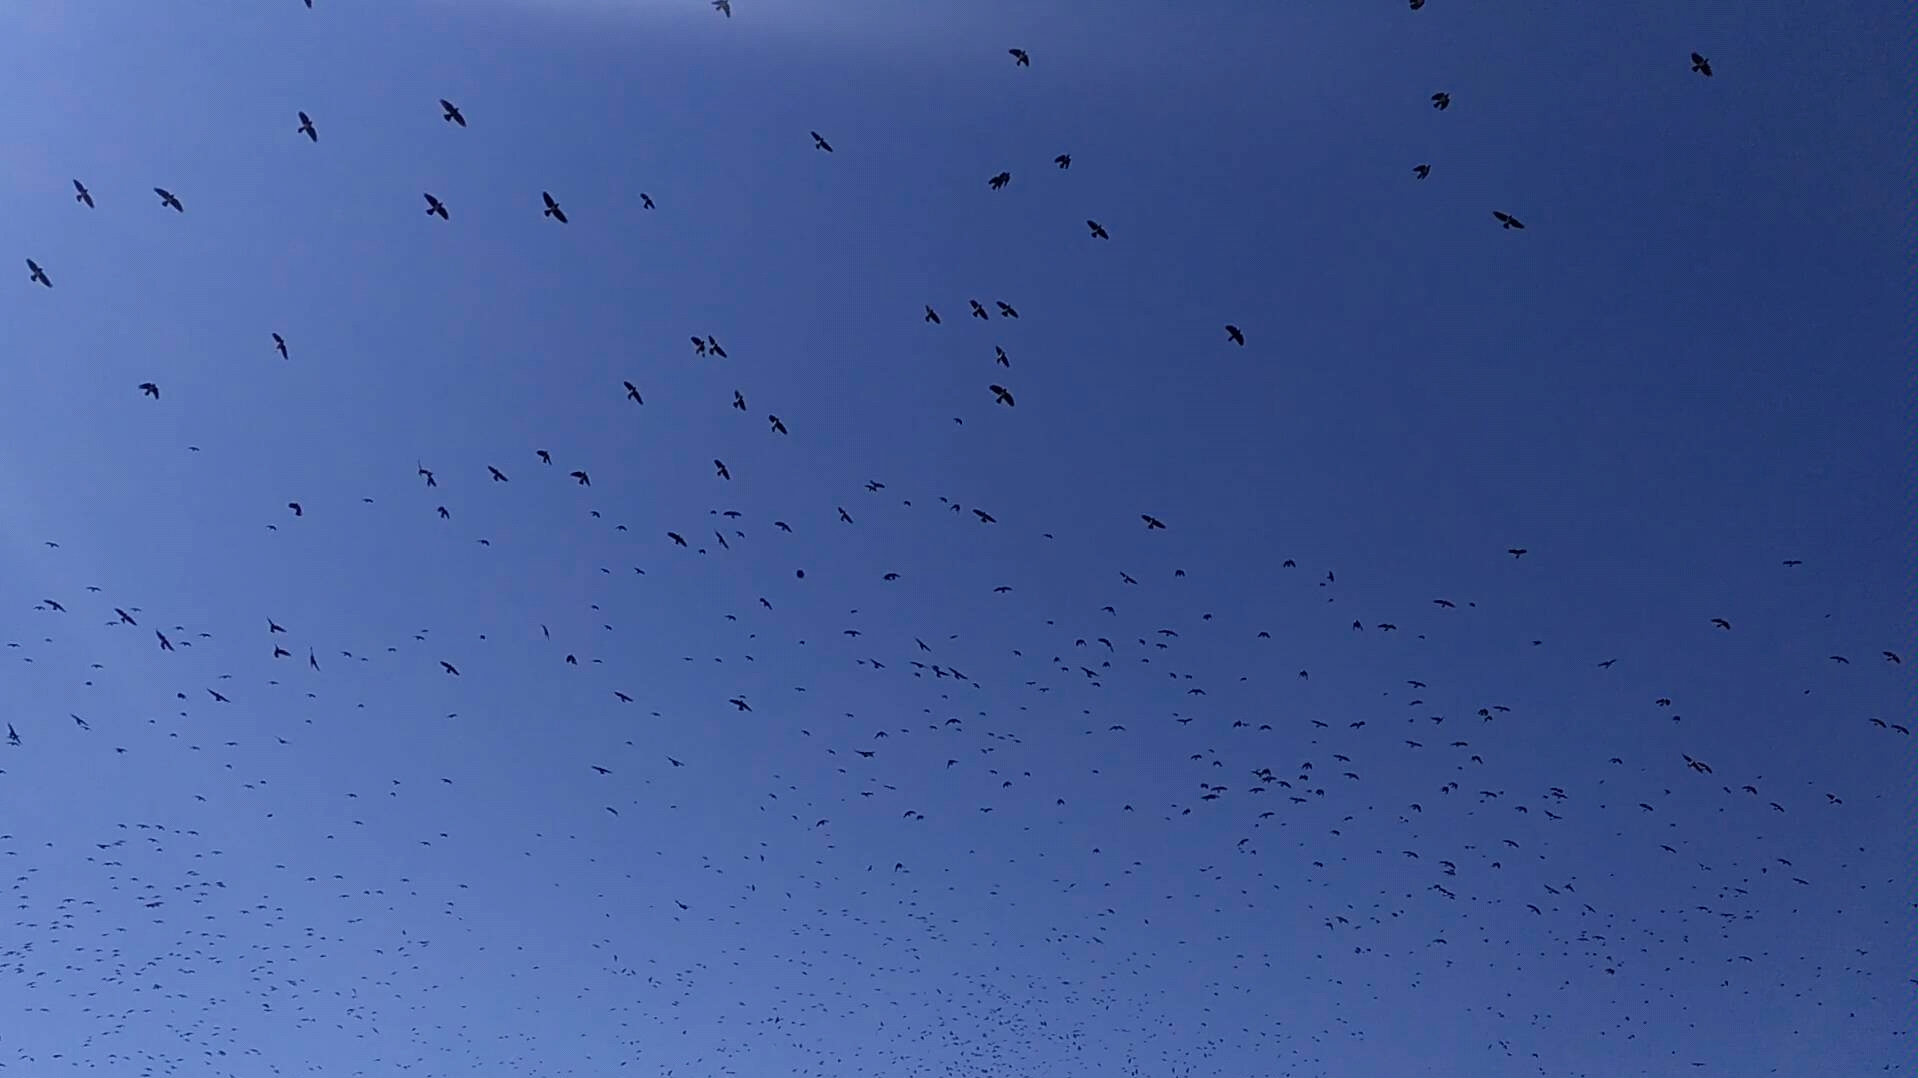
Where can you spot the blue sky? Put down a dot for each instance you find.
(1691, 366)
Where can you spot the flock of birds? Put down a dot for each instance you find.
(1279, 800)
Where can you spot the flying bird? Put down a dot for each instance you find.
(1237, 337)
(1441, 101)
(1421, 171)
(820, 143)
(436, 208)
(1002, 395)
(1064, 161)
(632, 393)
(999, 180)
(1506, 220)
(451, 113)
(168, 200)
(1098, 230)
(279, 345)
(306, 128)
(37, 275)
(82, 195)
(552, 208)
(1019, 58)
(724, 7)
(1701, 65)
(151, 390)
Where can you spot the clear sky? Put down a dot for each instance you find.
(1164, 802)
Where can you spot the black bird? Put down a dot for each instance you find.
(150, 389)
(582, 478)
(645, 201)
(1517, 552)
(978, 310)
(999, 356)
(999, 180)
(1019, 58)
(1506, 220)
(719, 466)
(279, 345)
(1441, 101)
(436, 208)
(1152, 522)
(1701, 65)
(778, 427)
(1006, 310)
(739, 400)
(724, 7)
(82, 195)
(297, 511)
(1002, 395)
(306, 128)
(168, 200)
(932, 315)
(37, 275)
(544, 457)
(1237, 337)
(632, 393)
(1064, 160)
(498, 476)
(552, 208)
(712, 345)
(1098, 230)
(451, 113)
(821, 143)
(1421, 171)
(1417, 4)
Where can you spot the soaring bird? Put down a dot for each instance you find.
(777, 426)
(632, 393)
(436, 208)
(37, 275)
(279, 345)
(1701, 65)
(645, 201)
(297, 510)
(168, 200)
(581, 478)
(1517, 552)
(932, 316)
(451, 113)
(820, 143)
(306, 128)
(1441, 101)
(552, 208)
(1000, 180)
(1421, 171)
(1417, 4)
(82, 195)
(1237, 337)
(1506, 220)
(719, 468)
(1064, 160)
(999, 356)
(724, 7)
(1152, 522)
(1002, 395)
(1006, 310)
(151, 390)
(1019, 58)
(1098, 230)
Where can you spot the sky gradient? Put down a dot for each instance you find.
(1692, 366)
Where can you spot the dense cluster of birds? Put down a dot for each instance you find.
(1291, 799)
